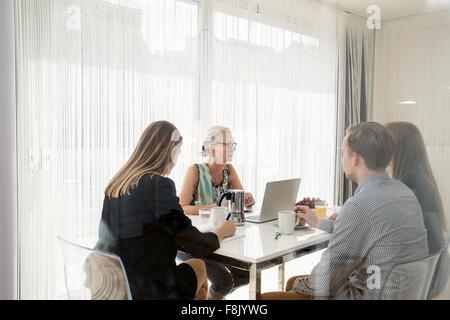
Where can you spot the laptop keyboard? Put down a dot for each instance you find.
(253, 217)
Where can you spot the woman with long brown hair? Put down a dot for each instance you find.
(410, 165)
(144, 224)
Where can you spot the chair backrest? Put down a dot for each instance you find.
(92, 274)
(410, 280)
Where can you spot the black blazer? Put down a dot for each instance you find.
(146, 228)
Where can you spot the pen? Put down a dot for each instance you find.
(228, 216)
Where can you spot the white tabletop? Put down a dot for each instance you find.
(258, 243)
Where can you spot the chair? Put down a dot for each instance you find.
(92, 274)
(410, 280)
(440, 285)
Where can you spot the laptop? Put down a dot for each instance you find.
(278, 196)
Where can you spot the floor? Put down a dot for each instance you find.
(269, 277)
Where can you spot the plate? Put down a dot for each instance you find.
(297, 227)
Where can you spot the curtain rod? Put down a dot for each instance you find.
(417, 15)
(325, 2)
(335, 5)
(338, 7)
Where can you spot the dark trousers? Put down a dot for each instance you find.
(224, 279)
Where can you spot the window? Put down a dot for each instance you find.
(93, 74)
(273, 82)
(87, 89)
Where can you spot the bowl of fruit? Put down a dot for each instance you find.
(311, 202)
(319, 205)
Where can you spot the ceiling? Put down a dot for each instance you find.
(392, 9)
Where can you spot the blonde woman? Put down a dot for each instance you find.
(205, 182)
(203, 185)
(144, 224)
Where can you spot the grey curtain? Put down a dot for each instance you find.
(8, 160)
(355, 86)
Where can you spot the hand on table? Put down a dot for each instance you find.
(249, 200)
(308, 215)
(225, 229)
(334, 216)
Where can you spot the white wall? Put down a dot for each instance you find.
(8, 195)
(413, 64)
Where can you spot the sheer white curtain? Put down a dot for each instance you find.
(412, 83)
(93, 74)
(273, 81)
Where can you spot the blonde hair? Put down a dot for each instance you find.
(214, 134)
(152, 155)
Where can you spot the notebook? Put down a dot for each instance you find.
(239, 234)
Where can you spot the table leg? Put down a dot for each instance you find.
(255, 283)
(281, 276)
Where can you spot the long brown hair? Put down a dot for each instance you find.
(153, 155)
(411, 158)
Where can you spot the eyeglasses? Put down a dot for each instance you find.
(229, 146)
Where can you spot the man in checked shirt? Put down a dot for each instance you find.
(380, 226)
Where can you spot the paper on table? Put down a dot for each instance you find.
(235, 237)
(209, 228)
(205, 227)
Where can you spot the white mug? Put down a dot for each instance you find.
(286, 222)
(218, 214)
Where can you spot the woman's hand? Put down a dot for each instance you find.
(249, 200)
(225, 229)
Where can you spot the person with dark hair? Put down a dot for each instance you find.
(411, 166)
(379, 227)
